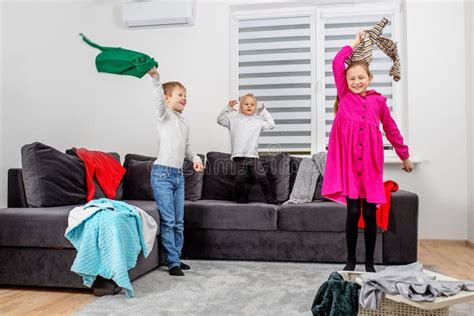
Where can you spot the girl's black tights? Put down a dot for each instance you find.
(354, 207)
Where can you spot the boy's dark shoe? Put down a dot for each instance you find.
(184, 266)
(176, 271)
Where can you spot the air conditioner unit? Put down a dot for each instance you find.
(159, 13)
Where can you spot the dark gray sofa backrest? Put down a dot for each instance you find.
(15, 189)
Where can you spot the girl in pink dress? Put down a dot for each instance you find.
(355, 161)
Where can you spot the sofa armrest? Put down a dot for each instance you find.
(400, 241)
(16, 189)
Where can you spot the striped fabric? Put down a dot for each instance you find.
(373, 36)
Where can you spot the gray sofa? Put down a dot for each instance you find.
(33, 249)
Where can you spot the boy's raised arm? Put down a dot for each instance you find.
(158, 94)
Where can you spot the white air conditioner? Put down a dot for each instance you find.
(159, 13)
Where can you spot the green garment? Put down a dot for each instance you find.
(336, 297)
(116, 60)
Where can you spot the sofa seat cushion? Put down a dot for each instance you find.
(219, 214)
(44, 227)
(317, 216)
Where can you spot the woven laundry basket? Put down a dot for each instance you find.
(390, 307)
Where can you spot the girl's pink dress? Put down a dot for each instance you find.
(355, 160)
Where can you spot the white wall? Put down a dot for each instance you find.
(470, 113)
(436, 117)
(3, 175)
(54, 94)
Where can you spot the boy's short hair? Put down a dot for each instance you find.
(169, 87)
(248, 95)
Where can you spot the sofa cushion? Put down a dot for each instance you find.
(99, 193)
(137, 180)
(317, 216)
(218, 214)
(137, 183)
(193, 181)
(220, 172)
(45, 226)
(52, 178)
(294, 166)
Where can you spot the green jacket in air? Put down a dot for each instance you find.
(116, 60)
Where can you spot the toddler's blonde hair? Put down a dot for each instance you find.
(248, 95)
(170, 86)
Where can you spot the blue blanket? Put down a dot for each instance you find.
(108, 241)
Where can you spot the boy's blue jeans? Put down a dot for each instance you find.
(168, 190)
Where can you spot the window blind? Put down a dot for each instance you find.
(275, 60)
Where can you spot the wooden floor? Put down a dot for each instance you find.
(453, 258)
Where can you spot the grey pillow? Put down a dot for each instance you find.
(52, 178)
(138, 179)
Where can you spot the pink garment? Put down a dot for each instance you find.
(355, 160)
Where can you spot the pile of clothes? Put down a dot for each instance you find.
(340, 297)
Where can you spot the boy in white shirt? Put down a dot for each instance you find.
(167, 178)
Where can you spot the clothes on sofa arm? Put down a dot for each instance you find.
(108, 236)
(107, 171)
(382, 213)
(409, 281)
(336, 297)
(307, 177)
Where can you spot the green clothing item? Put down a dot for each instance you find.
(116, 60)
(336, 297)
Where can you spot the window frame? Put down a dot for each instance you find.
(317, 14)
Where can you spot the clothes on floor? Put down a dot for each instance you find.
(245, 130)
(383, 211)
(246, 170)
(107, 171)
(336, 297)
(173, 133)
(410, 281)
(108, 236)
(309, 170)
(168, 191)
(116, 60)
(352, 231)
(373, 37)
(355, 160)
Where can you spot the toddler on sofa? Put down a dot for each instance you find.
(245, 125)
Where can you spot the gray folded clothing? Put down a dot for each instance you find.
(409, 281)
(305, 183)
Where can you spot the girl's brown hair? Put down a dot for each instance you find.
(361, 63)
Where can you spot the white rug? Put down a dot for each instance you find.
(227, 288)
